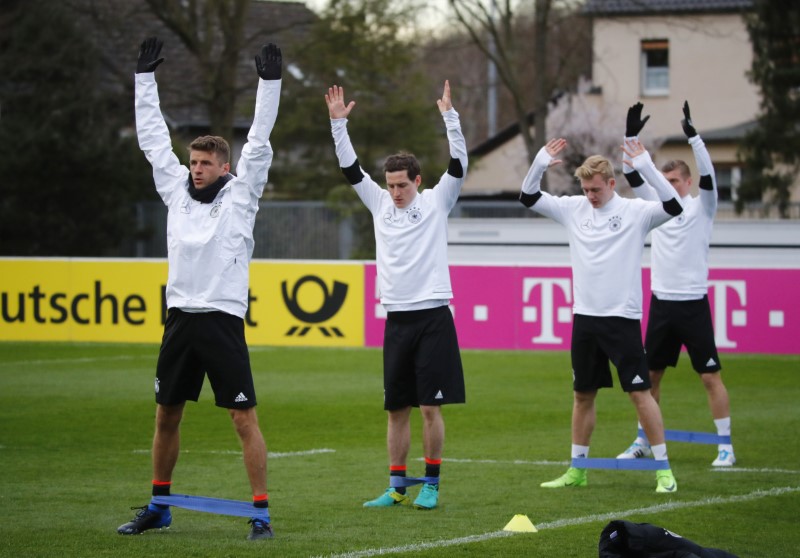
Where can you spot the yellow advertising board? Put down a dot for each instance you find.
(312, 304)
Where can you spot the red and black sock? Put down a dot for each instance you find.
(161, 488)
(261, 500)
(398, 471)
(432, 467)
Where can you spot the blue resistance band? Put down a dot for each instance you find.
(212, 505)
(622, 464)
(402, 482)
(692, 437)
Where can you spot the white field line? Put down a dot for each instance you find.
(751, 470)
(501, 462)
(71, 360)
(570, 522)
(270, 455)
(522, 462)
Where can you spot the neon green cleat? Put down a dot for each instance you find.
(388, 499)
(573, 477)
(665, 481)
(428, 497)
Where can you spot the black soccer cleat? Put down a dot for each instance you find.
(146, 519)
(259, 529)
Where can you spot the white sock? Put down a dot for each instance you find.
(641, 439)
(723, 426)
(579, 451)
(724, 429)
(659, 452)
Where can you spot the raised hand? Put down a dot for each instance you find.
(634, 122)
(632, 148)
(268, 64)
(444, 103)
(553, 148)
(148, 56)
(336, 105)
(688, 127)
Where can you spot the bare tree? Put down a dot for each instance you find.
(531, 71)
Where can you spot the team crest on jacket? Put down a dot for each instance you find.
(615, 223)
(215, 210)
(414, 216)
(680, 219)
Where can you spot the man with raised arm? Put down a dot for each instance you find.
(210, 243)
(421, 357)
(680, 314)
(606, 239)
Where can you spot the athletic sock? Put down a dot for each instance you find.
(641, 439)
(260, 501)
(579, 451)
(398, 471)
(659, 452)
(724, 429)
(160, 488)
(432, 467)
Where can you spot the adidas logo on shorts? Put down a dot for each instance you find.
(711, 362)
(637, 380)
(240, 398)
(439, 395)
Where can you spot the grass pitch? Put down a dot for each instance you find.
(76, 423)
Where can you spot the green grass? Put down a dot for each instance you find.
(76, 423)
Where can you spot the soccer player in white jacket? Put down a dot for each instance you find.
(679, 310)
(421, 358)
(606, 240)
(210, 243)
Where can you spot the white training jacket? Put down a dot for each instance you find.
(209, 245)
(605, 244)
(411, 243)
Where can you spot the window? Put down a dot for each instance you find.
(655, 67)
(728, 179)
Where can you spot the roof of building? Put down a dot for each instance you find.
(719, 135)
(662, 7)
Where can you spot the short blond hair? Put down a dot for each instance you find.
(596, 164)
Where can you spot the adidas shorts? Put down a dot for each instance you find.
(675, 323)
(596, 340)
(196, 344)
(421, 359)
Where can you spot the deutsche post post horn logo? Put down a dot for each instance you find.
(331, 304)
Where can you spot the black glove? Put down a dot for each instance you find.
(688, 127)
(634, 122)
(268, 64)
(148, 56)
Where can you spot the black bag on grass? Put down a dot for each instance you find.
(624, 539)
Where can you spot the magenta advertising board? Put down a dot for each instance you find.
(528, 307)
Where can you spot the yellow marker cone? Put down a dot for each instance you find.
(520, 524)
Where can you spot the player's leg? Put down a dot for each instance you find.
(433, 446)
(663, 348)
(225, 356)
(440, 381)
(399, 395)
(623, 341)
(698, 331)
(584, 417)
(398, 443)
(590, 373)
(179, 378)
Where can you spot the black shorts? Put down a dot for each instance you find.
(673, 323)
(421, 359)
(196, 344)
(598, 339)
